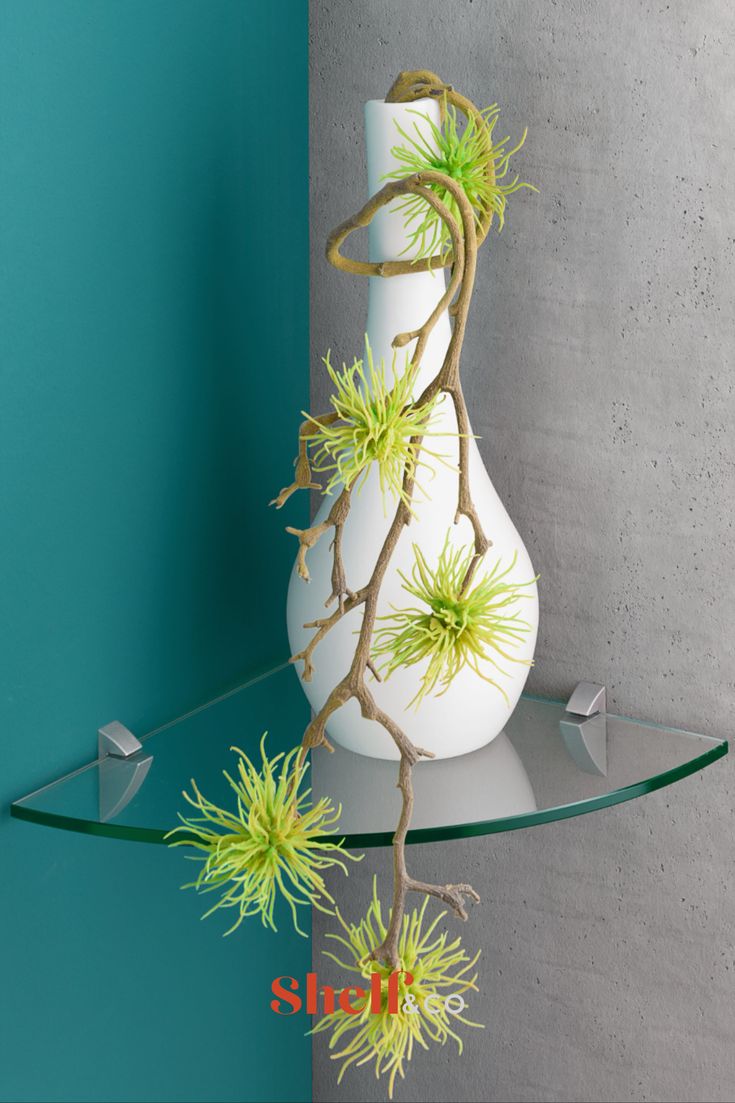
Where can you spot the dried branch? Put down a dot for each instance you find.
(463, 259)
(453, 895)
(308, 538)
(322, 627)
(303, 480)
(421, 84)
(408, 87)
(337, 517)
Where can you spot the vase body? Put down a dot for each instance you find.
(471, 712)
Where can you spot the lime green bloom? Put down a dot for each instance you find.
(377, 422)
(466, 156)
(453, 628)
(272, 843)
(439, 968)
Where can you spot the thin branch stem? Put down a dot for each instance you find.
(302, 477)
(456, 299)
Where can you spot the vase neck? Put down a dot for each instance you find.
(387, 236)
(400, 303)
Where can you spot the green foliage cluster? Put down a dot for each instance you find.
(471, 158)
(377, 422)
(271, 844)
(438, 967)
(453, 626)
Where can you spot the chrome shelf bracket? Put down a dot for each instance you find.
(121, 773)
(116, 740)
(584, 728)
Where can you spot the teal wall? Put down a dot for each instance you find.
(153, 198)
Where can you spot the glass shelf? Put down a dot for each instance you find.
(537, 771)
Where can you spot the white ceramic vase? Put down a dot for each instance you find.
(472, 712)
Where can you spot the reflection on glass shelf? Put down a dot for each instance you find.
(488, 784)
(533, 773)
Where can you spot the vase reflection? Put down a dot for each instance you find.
(490, 783)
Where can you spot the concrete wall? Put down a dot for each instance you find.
(598, 372)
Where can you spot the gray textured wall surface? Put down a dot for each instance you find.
(598, 372)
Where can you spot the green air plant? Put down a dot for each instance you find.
(455, 626)
(376, 422)
(471, 158)
(387, 1038)
(272, 843)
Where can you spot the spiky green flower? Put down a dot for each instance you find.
(453, 627)
(466, 156)
(272, 843)
(438, 967)
(377, 423)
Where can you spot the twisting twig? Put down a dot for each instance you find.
(309, 537)
(353, 685)
(337, 516)
(322, 627)
(302, 479)
(408, 87)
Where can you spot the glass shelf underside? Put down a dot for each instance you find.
(533, 773)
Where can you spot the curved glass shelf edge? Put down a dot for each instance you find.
(537, 727)
(20, 810)
(370, 840)
(124, 832)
